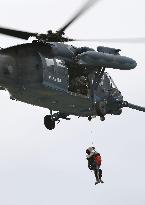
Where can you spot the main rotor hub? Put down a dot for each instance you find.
(52, 37)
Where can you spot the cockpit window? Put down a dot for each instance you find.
(107, 82)
(112, 81)
(110, 86)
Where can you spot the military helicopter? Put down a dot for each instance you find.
(63, 78)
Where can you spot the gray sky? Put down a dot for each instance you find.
(42, 167)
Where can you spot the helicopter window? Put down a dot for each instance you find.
(55, 73)
(106, 81)
(60, 63)
(49, 62)
(6, 71)
(113, 85)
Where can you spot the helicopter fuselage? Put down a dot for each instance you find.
(56, 76)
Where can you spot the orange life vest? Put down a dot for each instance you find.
(98, 159)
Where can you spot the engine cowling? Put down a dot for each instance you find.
(100, 59)
(108, 50)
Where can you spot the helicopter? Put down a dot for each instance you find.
(63, 78)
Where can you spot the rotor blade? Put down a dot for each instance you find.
(16, 33)
(86, 6)
(132, 106)
(115, 40)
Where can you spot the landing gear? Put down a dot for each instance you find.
(90, 118)
(49, 120)
(102, 118)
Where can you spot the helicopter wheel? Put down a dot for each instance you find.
(102, 118)
(49, 122)
(89, 118)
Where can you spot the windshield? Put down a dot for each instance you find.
(109, 87)
(106, 82)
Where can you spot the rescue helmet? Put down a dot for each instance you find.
(88, 151)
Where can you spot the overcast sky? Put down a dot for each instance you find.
(39, 167)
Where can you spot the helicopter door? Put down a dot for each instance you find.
(55, 73)
(61, 73)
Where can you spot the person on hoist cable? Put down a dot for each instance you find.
(94, 163)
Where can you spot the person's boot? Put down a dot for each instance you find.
(101, 181)
(97, 182)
